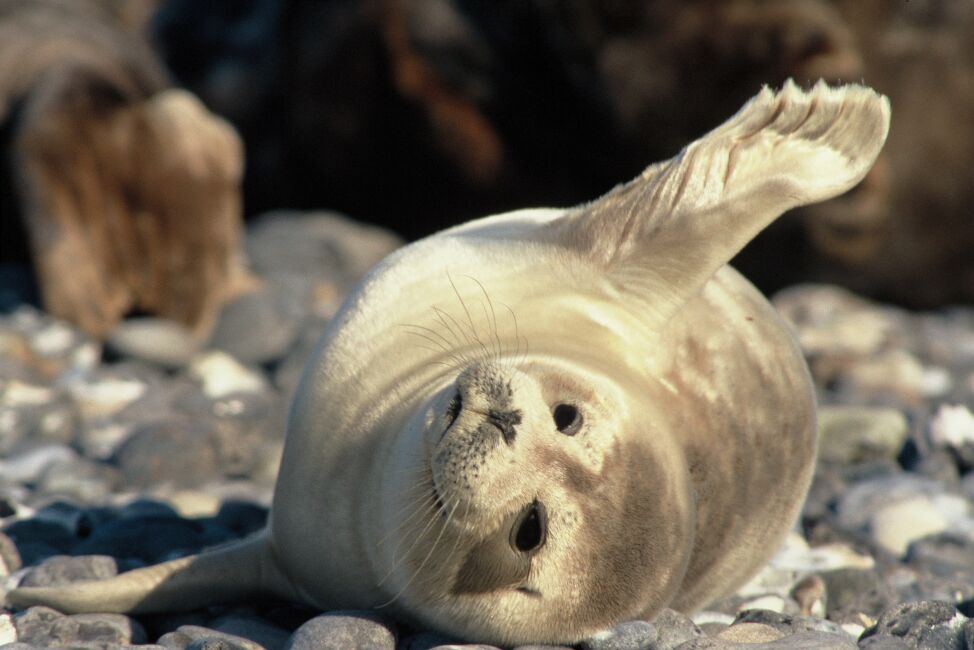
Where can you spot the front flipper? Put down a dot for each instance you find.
(236, 572)
(663, 235)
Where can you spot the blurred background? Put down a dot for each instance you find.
(419, 114)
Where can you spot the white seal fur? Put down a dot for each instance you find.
(532, 426)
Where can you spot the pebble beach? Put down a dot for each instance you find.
(151, 446)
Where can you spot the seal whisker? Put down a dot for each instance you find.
(473, 328)
(429, 510)
(429, 554)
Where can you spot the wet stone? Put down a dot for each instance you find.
(424, 641)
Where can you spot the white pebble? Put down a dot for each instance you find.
(953, 426)
(223, 375)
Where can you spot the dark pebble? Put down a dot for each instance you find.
(855, 591)
(923, 625)
(344, 629)
(241, 517)
(152, 539)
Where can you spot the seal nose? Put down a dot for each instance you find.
(505, 421)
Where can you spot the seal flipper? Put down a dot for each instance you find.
(663, 235)
(246, 569)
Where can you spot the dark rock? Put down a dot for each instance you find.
(38, 531)
(854, 591)
(252, 628)
(423, 641)
(632, 635)
(923, 625)
(942, 554)
(151, 539)
(61, 570)
(242, 518)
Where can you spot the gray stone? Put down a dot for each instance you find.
(884, 643)
(674, 628)
(156, 340)
(61, 570)
(317, 244)
(195, 637)
(344, 629)
(177, 451)
(28, 466)
(45, 627)
(800, 641)
(631, 635)
(259, 326)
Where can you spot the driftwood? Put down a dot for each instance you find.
(128, 189)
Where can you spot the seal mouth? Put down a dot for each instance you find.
(437, 500)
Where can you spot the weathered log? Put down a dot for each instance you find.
(129, 189)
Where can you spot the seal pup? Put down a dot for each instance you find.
(530, 427)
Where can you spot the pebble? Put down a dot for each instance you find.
(925, 625)
(261, 325)
(222, 375)
(344, 629)
(46, 628)
(195, 637)
(851, 434)
(156, 340)
(62, 569)
(673, 629)
(633, 635)
(179, 451)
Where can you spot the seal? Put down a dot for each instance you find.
(532, 426)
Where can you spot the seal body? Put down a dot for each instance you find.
(532, 426)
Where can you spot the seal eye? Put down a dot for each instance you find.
(530, 529)
(453, 410)
(568, 419)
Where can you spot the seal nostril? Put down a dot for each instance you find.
(453, 410)
(505, 421)
(530, 529)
